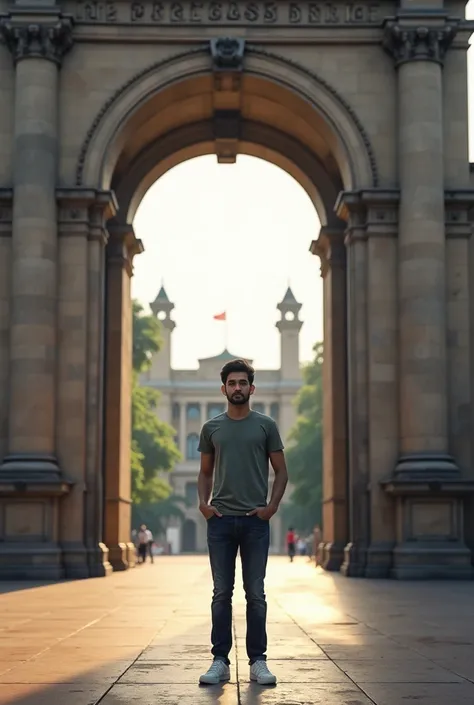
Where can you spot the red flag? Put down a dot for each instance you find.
(220, 316)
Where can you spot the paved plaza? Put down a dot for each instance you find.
(142, 637)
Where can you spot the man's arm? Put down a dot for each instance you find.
(206, 473)
(278, 462)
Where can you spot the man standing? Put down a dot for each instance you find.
(236, 448)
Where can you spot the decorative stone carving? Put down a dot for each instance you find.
(420, 43)
(227, 53)
(38, 40)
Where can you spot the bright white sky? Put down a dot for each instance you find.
(231, 237)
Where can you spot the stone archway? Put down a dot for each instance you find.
(153, 145)
(394, 247)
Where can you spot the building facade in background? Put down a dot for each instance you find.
(190, 397)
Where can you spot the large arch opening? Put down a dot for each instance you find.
(273, 111)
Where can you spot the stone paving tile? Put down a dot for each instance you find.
(164, 694)
(291, 671)
(302, 694)
(52, 695)
(408, 671)
(420, 693)
(170, 672)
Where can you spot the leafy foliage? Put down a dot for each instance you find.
(305, 451)
(153, 451)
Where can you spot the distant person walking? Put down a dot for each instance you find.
(142, 543)
(291, 543)
(150, 544)
(236, 448)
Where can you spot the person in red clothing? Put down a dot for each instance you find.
(290, 543)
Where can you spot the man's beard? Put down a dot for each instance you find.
(237, 398)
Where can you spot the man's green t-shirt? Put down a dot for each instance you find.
(241, 449)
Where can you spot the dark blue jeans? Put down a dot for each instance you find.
(225, 535)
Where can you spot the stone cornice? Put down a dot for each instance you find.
(123, 245)
(369, 213)
(32, 35)
(459, 213)
(412, 37)
(85, 212)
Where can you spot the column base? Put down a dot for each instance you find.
(355, 559)
(98, 561)
(332, 556)
(31, 561)
(118, 556)
(131, 555)
(74, 556)
(432, 561)
(379, 560)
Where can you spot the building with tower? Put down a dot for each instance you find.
(190, 397)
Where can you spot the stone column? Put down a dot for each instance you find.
(6, 200)
(382, 329)
(350, 209)
(82, 238)
(38, 50)
(330, 248)
(30, 541)
(121, 249)
(182, 429)
(429, 533)
(203, 411)
(419, 52)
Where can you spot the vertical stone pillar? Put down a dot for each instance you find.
(5, 284)
(97, 551)
(38, 45)
(382, 329)
(203, 411)
(121, 249)
(38, 50)
(330, 248)
(349, 209)
(429, 534)
(80, 319)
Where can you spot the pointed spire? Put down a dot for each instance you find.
(162, 295)
(289, 297)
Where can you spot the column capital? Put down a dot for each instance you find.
(123, 245)
(37, 36)
(418, 39)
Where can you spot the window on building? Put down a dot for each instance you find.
(275, 411)
(192, 443)
(258, 406)
(193, 412)
(190, 493)
(214, 410)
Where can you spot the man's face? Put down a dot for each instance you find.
(237, 389)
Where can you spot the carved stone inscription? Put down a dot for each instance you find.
(228, 13)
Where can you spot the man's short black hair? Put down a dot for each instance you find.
(237, 366)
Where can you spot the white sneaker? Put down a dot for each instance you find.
(259, 672)
(218, 671)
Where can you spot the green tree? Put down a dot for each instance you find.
(305, 451)
(153, 451)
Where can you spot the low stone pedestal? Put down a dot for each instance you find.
(429, 492)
